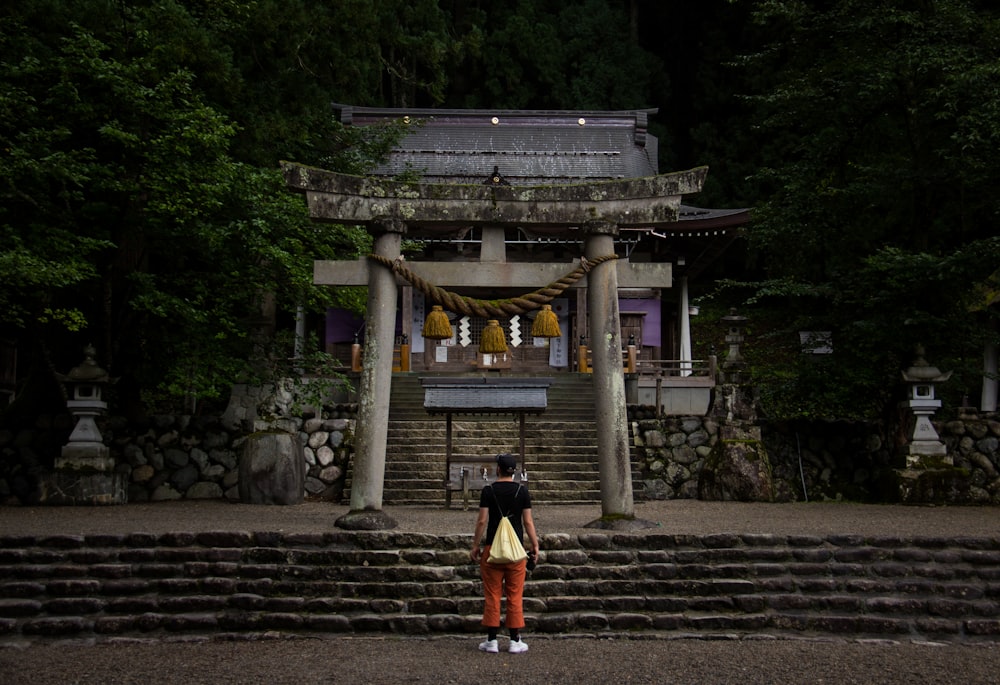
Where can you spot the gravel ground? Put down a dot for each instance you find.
(580, 661)
(691, 517)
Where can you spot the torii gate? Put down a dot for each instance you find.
(389, 209)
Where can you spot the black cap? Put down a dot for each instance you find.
(507, 462)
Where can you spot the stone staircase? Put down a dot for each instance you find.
(560, 444)
(246, 585)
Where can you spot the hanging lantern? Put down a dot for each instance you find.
(546, 324)
(437, 326)
(492, 341)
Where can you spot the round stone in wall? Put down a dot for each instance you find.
(164, 493)
(204, 490)
(141, 474)
(324, 455)
(184, 478)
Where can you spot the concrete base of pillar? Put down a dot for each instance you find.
(942, 485)
(929, 460)
(366, 520)
(104, 463)
(924, 453)
(76, 487)
(622, 524)
(85, 475)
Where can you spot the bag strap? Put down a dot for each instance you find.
(507, 515)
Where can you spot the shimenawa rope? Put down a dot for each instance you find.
(490, 309)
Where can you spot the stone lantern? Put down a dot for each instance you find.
(85, 469)
(87, 382)
(732, 367)
(737, 467)
(925, 442)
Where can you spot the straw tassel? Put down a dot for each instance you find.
(546, 324)
(493, 341)
(437, 326)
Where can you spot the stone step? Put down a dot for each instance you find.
(439, 498)
(486, 454)
(110, 586)
(402, 439)
(406, 444)
(536, 453)
(561, 458)
(533, 453)
(564, 470)
(534, 428)
(560, 445)
(572, 435)
(539, 487)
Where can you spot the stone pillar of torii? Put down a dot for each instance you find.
(391, 209)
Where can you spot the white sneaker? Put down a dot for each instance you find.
(489, 646)
(518, 646)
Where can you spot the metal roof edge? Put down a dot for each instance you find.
(432, 111)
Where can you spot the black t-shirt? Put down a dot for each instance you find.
(513, 498)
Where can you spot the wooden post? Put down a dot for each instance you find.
(521, 418)
(447, 457)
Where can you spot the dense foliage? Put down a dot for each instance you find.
(875, 214)
(141, 209)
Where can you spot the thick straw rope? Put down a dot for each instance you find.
(491, 309)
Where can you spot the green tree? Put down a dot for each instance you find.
(877, 216)
(541, 54)
(136, 213)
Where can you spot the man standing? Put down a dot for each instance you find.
(503, 498)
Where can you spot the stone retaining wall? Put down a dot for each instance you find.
(176, 457)
(816, 460)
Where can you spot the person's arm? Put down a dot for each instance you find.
(477, 537)
(529, 528)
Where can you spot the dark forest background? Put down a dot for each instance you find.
(141, 209)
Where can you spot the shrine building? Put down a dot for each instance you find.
(530, 149)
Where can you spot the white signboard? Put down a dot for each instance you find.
(419, 314)
(559, 347)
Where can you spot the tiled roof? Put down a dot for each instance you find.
(528, 147)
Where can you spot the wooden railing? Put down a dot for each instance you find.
(630, 359)
(657, 368)
(400, 358)
(678, 368)
(631, 363)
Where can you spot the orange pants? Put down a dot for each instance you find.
(500, 579)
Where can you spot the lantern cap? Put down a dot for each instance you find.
(923, 372)
(88, 371)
